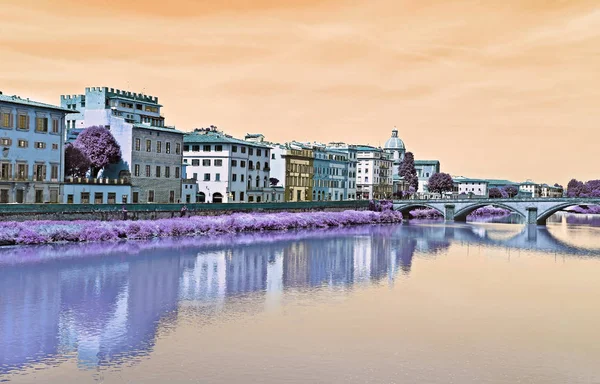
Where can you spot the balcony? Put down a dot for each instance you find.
(105, 181)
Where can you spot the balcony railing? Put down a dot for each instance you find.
(106, 181)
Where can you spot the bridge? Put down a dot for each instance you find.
(533, 210)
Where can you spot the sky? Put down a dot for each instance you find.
(497, 89)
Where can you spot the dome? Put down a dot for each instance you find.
(394, 142)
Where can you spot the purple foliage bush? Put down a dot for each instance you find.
(425, 213)
(490, 211)
(592, 209)
(43, 232)
(577, 188)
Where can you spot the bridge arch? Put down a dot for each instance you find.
(542, 217)
(462, 214)
(405, 209)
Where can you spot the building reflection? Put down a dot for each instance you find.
(108, 309)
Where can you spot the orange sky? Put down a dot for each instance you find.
(505, 89)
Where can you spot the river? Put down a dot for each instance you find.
(409, 303)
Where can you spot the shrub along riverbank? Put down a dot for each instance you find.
(45, 232)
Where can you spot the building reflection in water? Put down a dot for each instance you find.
(104, 303)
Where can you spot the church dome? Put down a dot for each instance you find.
(394, 142)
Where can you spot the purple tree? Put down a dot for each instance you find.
(440, 183)
(408, 171)
(273, 181)
(575, 188)
(100, 146)
(511, 191)
(76, 162)
(495, 193)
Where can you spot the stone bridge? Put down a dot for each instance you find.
(533, 210)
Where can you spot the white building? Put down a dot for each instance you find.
(227, 169)
(467, 186)
(374, 173)
(395, 147)
(351, 154)
(96, 191)
(31, 139)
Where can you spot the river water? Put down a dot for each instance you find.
(409, 303)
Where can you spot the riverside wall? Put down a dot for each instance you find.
(69, 212)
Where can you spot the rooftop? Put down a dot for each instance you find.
(394, 142)
(17, 100)
(214, 136)
(427, 162)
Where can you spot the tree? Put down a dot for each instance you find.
(408, 171)
(76, 162)
(574, 188)
(495, 193)
(511, 191)
(440, 183)
(100, 146)
(273, 181)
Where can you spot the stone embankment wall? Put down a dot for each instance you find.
(68, 212)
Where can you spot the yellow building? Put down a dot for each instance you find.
(299, 173)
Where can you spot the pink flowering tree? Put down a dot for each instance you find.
(100, 146)
(440, 183)
(76, 162)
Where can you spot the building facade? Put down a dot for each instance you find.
(374, 173)
(470, 187)
(552, 191)
(31, 138)
(426, 169)
(395, 147)
(299, 174)
(151, 152)
(227, 169)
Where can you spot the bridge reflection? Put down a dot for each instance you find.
(105, 303)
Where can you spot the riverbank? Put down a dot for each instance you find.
(47, 232)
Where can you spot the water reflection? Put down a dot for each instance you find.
(104, 303)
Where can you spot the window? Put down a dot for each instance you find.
(138, 107)
(85, 197)
(137, 144)
(234, 148)
(243, 164)
(243, 151)
(147, 171)
(168, 147)
(22, 171)
(151, 196)
(158, 171)
(171, 197)
(217, 177)
(177, 148)
(218, 163)
(258, 152)
(124, 199)
(5, 171)
(195, 148)
(251, 151)
(195, 162)
(149, 108)
(40, 145)
(41, 124)
(186, 148)
(98, 198)
(22, 144)
(206, 148)
(234, 177)
(158, 146)
(232, 196)
(234, 163)
(54, 172)
(136, 170)
(69, 199)
(177, 173)
(39, 172)
(241, 196)
(23, 122)
(207, 177)
(5, 141)
(273, 156)
(242, 178)
(218, 148)
(148, 145)
(7, 119)
(54, 147)
(167, 172)
(55, 126)
(206, 162)
(136, 197)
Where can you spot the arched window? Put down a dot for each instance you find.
(250, 165)
(249, 182)
(258, 165)
(257, 182)
(265, 181)
(201, 197)
(217, 198)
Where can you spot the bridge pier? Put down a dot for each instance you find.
(532, 213)
(449, 212)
